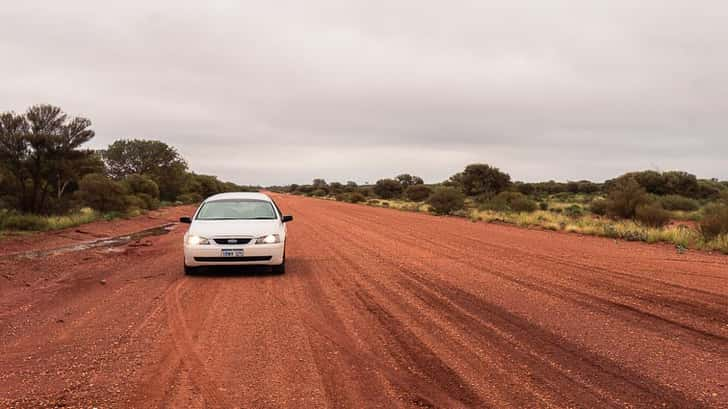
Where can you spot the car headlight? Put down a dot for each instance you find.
(193, 240)
(269, 239)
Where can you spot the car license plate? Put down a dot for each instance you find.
(232, 253)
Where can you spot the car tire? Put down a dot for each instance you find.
(190, 270)
(280, 268)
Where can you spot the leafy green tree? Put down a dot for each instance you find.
(41, 150)
(407, 180)
(155, 159)
(351, 186)
(479, 178)
(387, 188)
(320, 184)
(336, 187)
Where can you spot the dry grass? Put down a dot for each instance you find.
(678, 235)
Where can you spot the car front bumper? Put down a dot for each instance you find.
(253, 254)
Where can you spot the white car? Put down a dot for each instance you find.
(236, 229)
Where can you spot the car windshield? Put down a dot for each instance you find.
(236, 209)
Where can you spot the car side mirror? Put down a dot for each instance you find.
(286, 219)
(186, 220)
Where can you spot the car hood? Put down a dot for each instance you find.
(254, 228)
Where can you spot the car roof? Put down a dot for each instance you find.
(239, 195)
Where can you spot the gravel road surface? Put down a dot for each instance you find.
(378, 308)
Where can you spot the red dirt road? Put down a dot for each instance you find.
(378, 308)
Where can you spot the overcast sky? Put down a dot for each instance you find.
(271, 92)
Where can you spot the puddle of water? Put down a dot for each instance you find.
(107, 242)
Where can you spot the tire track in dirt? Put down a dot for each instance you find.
(643, 386)
(421, 391)
(597, 303)
(180, 356)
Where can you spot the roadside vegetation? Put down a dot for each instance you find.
(670, 207)
(49, 181)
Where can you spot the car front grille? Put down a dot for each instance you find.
(232, 259)
(232, 240)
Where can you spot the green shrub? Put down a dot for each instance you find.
(16, 221)
(543, 205)
(479, 178)
(133, 201)
(599, 207)
(652, 215)
(510, 202)
(387, 188)
(445, 200)
(624, 198)
(340, 197)
(715, 220)
(418, 193)
(189, 198)
(150, 202)
(319, 193)
(677, 202)
(135, 184)
(101, 193)
(574, 211)
(355, 197)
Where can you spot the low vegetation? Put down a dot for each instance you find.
(49, 181)
(671, 207)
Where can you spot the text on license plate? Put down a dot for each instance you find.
(232, 252)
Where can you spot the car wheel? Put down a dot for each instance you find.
(280, 268)
(190, 270)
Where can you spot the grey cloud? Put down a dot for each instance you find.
(279, 92)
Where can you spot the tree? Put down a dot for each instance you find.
(320, 184)
(387, 188)
(351, 186)
(407, 180)
(41, 149)
(480, 178)
(155, 159)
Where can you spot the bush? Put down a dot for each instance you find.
(599, 207)
(387, 188)
(715, 220)
(511, 202)
(355, 197)
(340, 197)
(101, 193)
(445, 200)
(624, 198)
(319, 193)
(136, 184)
(652, 215)
(480, 178)
(677, 202)
(418, 193)
(189, 198)
(543, 205)
(150, 202)
(574, 211)
(133, 201)
(16, 221)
